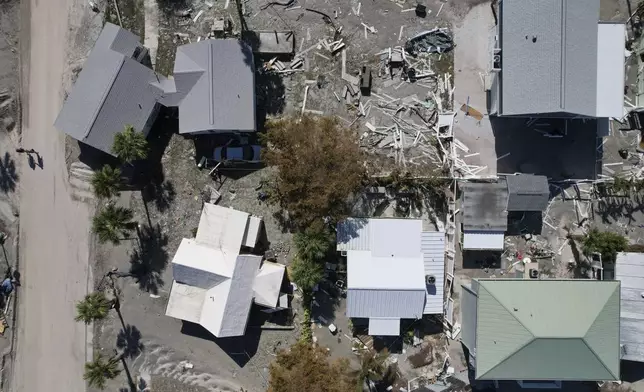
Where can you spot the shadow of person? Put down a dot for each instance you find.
(40, 162)
(32, 162)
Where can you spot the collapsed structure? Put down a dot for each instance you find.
(554, 58)
(536, 332)
(395, 271)
(486, 206)
(216, 279)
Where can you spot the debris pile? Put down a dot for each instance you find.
(437, 40)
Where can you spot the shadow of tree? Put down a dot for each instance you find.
(129, 340)
(8, 173)
(150, 259)
(162, 193)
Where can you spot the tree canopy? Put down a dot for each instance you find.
(93, 307)
(315, 242)
(113, 223)
(306, 273)
(130, 145)
(319, 166)
(307, 368)
(100, 370)
(106, 182)
(604, 242)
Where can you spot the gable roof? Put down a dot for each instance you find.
(629, 270)
(537, 330)
(527, 192)
(485, 206)
(549, 56)
(113, 90)
(216, 80)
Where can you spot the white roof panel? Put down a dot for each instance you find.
(251, 234)
(185, 302)
(202, 260)
(384, 273)
(222, 227)
(384, 326)
(433, 250)
(353, 234)
(396, 237)
(610, 69)
(483, 240)
(268, 283)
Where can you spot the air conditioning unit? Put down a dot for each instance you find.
(430, 279)
(343, 253)
(534, 274)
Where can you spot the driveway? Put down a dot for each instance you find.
(54, 229)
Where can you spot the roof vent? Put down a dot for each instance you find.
(534, 274)
(430, 279)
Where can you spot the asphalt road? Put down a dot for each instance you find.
(54, 229)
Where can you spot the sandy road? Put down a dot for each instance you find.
(54, 229)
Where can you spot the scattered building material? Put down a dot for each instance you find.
(437, 40)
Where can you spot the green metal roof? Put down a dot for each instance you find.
(547, 330)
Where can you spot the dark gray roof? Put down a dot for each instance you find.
(112, 90)
(527, 192)
(484, 206)
(217, 80)
(549, 56)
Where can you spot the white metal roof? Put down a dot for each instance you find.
(610, 69)
(483, 240)
(384, 326)
(364, 271)
(399, 238)
(268, 283)
(433, 250)
(629, 270)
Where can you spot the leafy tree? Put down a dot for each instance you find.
(306, 274)
(314, 242)
(604, 242)
(100, 370)
(307, 368)
(130, 145)
(319, 166)
(113, 223)
(93, 307)
(106, 182)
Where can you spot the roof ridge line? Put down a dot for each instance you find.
(105, 94)
(617, 376)
(510, 355)
(598, 313)
(508, 310)
(583, 339)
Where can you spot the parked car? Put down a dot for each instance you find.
(237, 154)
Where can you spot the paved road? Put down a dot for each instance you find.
(54, 229)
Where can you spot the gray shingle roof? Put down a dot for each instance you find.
(527, 192)
(484, 206)
(112, 90)
(217, 79)
(549, 56)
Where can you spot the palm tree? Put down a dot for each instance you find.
(94, 307)
(372, 368)
(106, 182)
(314, 243)
(130, 145)
(113, 224)
(100, 370)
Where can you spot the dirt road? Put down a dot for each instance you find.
(54, 229)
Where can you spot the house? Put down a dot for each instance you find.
(629, 270)
(542, 332)
(216, 280)
(216, 81)
(395, 270)
(554, 58)
(113, 90)
(486, 207)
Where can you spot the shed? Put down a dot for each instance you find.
(485, 216)
(629, 270)
(527, 192)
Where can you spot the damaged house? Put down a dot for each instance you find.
(487, 207)
(217, 279)
(114, 89)
(540, 333)
(554, 58)
(395, 270)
